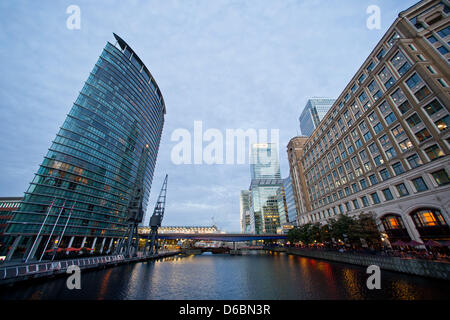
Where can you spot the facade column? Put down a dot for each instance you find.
(102, 246)
(110, 245)
(82, 244)
(13, 248)
(93, 245)
(411, 227)
(70, 243)
(33, 252)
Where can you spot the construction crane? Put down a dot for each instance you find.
(156, 220)
(130, 240)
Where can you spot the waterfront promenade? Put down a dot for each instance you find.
(11, 273)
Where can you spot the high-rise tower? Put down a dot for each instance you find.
(97, 173)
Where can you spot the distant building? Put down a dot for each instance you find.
(295, 150)
(7, 206)
(245, 211)
(286, 207)
(290, 202)
(264, 161)
(182, 229)
(266, 180)
(313, 113)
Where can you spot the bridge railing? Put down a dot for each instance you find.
(44, 267)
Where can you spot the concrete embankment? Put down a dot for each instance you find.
(419, 267)
(11, 274)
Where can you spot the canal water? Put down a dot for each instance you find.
(256, 276)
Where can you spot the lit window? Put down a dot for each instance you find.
(434, 152)
(443, 123)
(423, 135)
(441, 177)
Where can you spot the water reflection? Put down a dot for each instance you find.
(255, 276)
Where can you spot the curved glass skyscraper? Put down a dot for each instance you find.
(100, 163)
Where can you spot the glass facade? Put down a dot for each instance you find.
(266, 181)
(264, 161)
(314, 111)
(102, 157)
(245, 211)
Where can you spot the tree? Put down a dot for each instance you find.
(369, 230)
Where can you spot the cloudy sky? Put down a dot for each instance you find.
(231, 64)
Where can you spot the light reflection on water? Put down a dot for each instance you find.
(256, 276)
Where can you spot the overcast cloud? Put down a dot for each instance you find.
(232, 64)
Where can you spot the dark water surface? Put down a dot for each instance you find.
(258, 276)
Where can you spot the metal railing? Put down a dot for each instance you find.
(45, 267)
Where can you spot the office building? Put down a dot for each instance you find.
(313, 112)
(295, 150)
(266, 180)
(100, 165)
(291, 208)
(7, 206)
(384, 146)
(245, 211)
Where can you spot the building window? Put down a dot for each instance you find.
(375, 198)
(422, 93)
(384, 174)
(347, 206)
(398, 96)
(390, 118)
(361, 78)
(434, 152)
(427, 218)
(423, 135)
(380, 54)
(414, 161)
(444, 32)
(355, 204)
(413, 120)
(378, 128)
(362, 97)
(419, 184)
(378, 160)
(384, 140)
(443, 123)
(398, 131)
(373, 179)
(387, 194)
(390, 153)
(414, 81)
(400, 63)
(401, 189)
(443, 50)
(441, 177)
(365, 201)
(430, 68)
(367, 136)
(432, 39)
(405, 145)
(363, 184)
(398, 168)
(404, 107)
